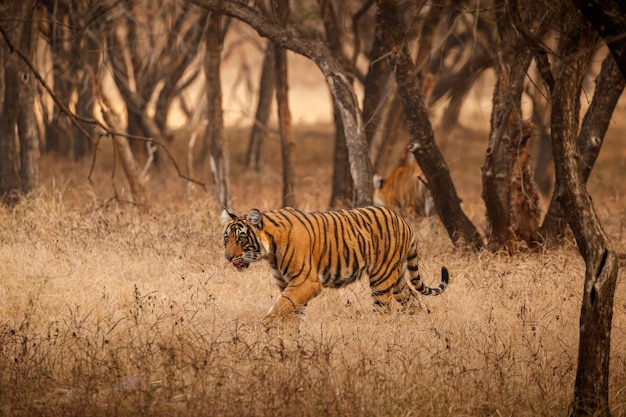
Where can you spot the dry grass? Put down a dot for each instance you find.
(112, 311)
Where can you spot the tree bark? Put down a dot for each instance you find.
(339, 82)
(10, 184)
(375, 90)
(59, 131)
(394, 123)
(19, 165)
(288, 145)
(592, 374)
(215, 129)
(86, 100)
(460, 229)
(123, 149)
(266, 94)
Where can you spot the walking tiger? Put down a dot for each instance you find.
(309, 251)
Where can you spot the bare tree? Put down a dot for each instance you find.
(19, 139)
(288, 144)
(508, 188)
(124, 153)
(258, 133)
(609, 87)
(148, 64)
(215, 129)
(59, 137)
(338, 81)
(592, 374)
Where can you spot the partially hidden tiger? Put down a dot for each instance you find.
(405, 191)
(307, 251)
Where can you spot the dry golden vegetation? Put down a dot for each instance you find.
(112, 310)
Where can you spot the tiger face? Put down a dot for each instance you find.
(241, 241)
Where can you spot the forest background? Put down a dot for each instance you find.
(131, 125)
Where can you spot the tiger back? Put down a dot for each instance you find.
(309, 251)
(404, 190)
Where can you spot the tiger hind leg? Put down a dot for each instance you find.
(390, 287)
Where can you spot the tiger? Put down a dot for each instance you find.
(405, 191)
(307, 251)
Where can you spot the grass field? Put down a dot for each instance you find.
(112, 310)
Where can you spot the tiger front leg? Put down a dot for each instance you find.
(294, 297)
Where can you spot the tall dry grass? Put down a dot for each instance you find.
(112, 310)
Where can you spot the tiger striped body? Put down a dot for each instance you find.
(309, 251)
(405, 192)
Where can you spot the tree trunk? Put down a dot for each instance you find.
(10, 184)
(288, 145)
(86, 55)
(215, 129)
(375, 90)
(341, 193)
(266, 94)
(19, 159)
(592, 375)
(59, 129)
(342, 189)
(609, 87)
(395, 120)
(460, 229)
(508, 142)
(26, 121)
(127, 159)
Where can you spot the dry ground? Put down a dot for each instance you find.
(110, 310)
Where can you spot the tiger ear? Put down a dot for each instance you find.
(227, 216)
(378, 182)
(255, 217)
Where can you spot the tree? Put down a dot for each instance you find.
(258, 133)
(124, 152)
(19, 138)
(148, 65)
(609, 87)
(75, 53)
(287, 142)
(214, 139)
(592, 373)
(508, 189)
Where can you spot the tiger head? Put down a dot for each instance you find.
(241, 238)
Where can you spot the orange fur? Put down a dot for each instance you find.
(404, 191)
